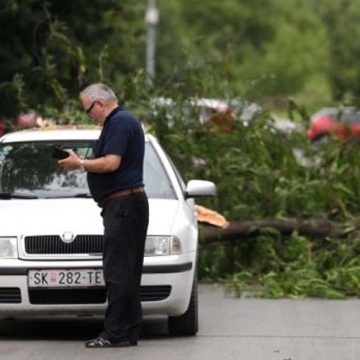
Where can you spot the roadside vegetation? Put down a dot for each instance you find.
(259, 176)
(290, 57)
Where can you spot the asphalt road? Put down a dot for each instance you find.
(241, 329)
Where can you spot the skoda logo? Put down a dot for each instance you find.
(68, 237)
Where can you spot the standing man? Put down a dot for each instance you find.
(115, 178)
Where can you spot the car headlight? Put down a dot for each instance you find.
(162, 245)
(8, 248)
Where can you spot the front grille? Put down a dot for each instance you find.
(52, 244)
(10, 295)
(91, 296)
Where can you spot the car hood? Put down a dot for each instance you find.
(80, 216)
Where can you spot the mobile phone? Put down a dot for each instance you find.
(59, 153)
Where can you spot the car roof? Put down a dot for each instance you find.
(56, 134)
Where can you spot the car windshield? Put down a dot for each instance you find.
(27, 170)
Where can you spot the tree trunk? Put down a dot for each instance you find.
(238, 230)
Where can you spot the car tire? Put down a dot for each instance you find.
(188, 323)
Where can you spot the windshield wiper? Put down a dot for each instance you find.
(83, 195)
(9, 195)
(65, 196)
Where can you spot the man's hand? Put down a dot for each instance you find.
(72, 162)
(104, 164)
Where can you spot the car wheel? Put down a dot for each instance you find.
(188, 323)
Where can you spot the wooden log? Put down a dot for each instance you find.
(237, 230)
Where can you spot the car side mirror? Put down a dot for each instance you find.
(200, 188)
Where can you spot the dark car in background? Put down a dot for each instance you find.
(342, 122)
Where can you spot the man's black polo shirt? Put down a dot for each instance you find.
(121, 135)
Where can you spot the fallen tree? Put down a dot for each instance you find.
(237, 230)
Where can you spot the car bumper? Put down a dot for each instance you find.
(168, 280)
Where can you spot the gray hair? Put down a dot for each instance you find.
(98, 92)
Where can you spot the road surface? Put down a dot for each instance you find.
(230, 328)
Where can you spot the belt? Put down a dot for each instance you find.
(103, 202)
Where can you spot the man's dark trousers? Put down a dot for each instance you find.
(125, 221)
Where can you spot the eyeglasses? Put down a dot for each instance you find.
(88, 110)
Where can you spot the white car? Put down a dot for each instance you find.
(51, 232)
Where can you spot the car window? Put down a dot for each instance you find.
(28, 168)
(177, 174)
(157, 182)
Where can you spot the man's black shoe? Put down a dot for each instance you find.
(101, 342)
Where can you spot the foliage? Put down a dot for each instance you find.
(50, 49)
(267, 48)
(263, 180)
(342, 21)
(293, 267)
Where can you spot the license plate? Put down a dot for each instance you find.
(66, 278)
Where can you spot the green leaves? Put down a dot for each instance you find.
(298, 267)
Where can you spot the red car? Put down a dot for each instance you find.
(341, 122)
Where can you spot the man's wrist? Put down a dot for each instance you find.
(82, 165)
